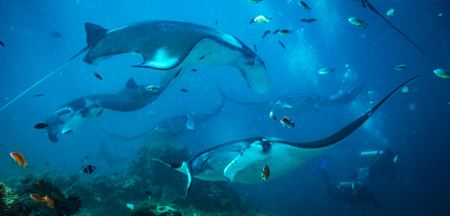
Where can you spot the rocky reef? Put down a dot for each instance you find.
(8, 201)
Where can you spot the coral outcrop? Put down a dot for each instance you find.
(8, 201)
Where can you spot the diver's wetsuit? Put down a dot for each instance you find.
(383, 165)
(361, 193)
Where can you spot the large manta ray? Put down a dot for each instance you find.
(171, 128)
(297, 104)
(72, 114)
(242, 160)
(366, 2)
(171, 47)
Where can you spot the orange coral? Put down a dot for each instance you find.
(8, 201)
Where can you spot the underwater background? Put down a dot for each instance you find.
(414, 124)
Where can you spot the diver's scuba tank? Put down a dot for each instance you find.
(346, 185)
(367, 154)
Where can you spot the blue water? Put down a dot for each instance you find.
(414, 124)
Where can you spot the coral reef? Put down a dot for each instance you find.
(8, 201)
(63, 206)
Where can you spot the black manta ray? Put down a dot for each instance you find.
(171, 128)
(297, 104)
(171, 47)
(242, 160)
(72, 114)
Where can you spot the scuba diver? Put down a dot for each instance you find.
(354, 192)
(381, 163)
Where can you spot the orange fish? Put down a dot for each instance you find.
(40, 182)
(37, 198)
(58, 196)
(287, 122)
(49, 201)
(19, 159)
(265, 173)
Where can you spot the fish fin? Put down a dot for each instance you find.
(25, 165)
(190, 124)
(131, 84)
(94, 33)
(189, 175)
(72, 124)
(248, 156)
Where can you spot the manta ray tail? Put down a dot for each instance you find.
(93, 32)
(376, 11)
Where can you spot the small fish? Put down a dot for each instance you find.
(26, 180)
(55, 34)
(37, 198)
(326, 70)
(202, 57)
(254, 1)
(304, 5)
(148, 192)
(308, 20)
(39, 182)
(89, 169)
(260, 19)
(265, 33)
(284, 32)
(439, 15)
(49, 201)
(357, 22)
(19, 159)
(1, 43)
(405, 89)
(114, 173)
(47, 164)
(98, 76)
(390, 12)
(58, 196)
(217, 23)
(287, 122)
(194, 70)
(100, 112)
(272, 116)
(442, 73)
(282, 44)
(251, 199)
(41, 125)
(276, 31)
(265, 173)
(254, 46)
(184, 90)
(257, 208)
(152, 88)
(86, 157)
(39, 95)
(400, 67)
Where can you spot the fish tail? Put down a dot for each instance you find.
(25, 165)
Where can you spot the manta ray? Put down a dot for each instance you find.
(297, 104)
(366, 2)
(171, 128)
(171, 47)
(72, 114)
(242, 160)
